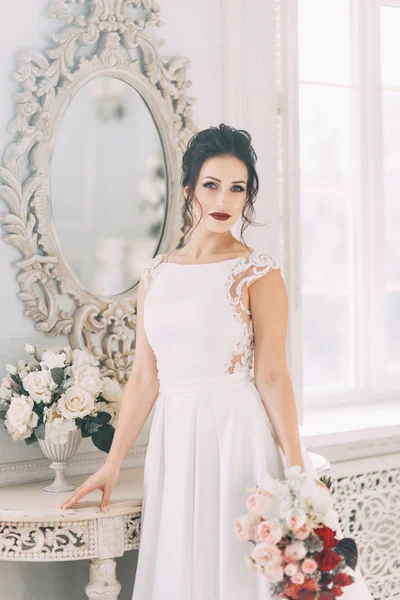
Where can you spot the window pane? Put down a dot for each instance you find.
(327, 363)
(324, 40)
(325, 227)
(391, 137)
(390, 45)
(392, 229)
(326, 152)
(393, 327)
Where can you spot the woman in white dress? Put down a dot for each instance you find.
(211, 355)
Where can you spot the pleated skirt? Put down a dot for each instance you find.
(209, 440)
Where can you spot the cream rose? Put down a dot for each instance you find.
(20, 418)
(38, 385)
(88, 378)
(76, 402)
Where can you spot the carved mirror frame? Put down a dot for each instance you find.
(97, 41)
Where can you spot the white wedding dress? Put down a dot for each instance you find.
(210, 435)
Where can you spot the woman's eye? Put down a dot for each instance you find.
(239, 188)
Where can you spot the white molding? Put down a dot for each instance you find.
(231, 21)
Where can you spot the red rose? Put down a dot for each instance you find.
(327, 536)
(337, 592)
(342, 579)
(328, 559)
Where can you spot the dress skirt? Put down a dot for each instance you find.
(209, 440)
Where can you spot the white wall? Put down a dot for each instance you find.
(232, 74)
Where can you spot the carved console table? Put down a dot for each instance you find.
(33, 528)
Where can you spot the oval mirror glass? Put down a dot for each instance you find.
(108, 185)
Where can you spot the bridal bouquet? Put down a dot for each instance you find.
(62, 391)
(292, 525)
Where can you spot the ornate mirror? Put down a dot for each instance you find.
(92, 179)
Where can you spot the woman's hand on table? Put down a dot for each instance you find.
(103, 479)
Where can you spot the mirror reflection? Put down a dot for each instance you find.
(108, 185)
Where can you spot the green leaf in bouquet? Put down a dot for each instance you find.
(57, 374)
(30, 440)
(103, 417)
(40, 431)
(103, 438)
(347, 548)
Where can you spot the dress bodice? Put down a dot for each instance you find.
(197, 317)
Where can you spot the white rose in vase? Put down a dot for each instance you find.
(113, 393)
(88, 378)
(76, 402)
(57, 428)
(38, 384)
(20, 418)
(81, 357)
(51, 360)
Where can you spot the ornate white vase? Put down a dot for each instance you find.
(60, 454)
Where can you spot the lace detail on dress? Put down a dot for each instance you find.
(150, 271)
(243, 273)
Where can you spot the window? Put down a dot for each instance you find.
(339, 122)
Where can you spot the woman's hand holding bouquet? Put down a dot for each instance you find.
(292, 525)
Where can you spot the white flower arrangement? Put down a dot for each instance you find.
(62, 391)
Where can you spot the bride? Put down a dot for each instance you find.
(212, 321)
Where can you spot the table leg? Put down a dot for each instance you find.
(103, 584)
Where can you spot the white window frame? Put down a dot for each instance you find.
(369, 367)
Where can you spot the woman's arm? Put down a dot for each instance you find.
(140, 391)
(269, 308)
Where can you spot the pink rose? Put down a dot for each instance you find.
(256, 504)
(309, 566)
(296, 519)
(303, 532)
(273, 573)
(268, 555)
(297, 578)
(290, 569)
(295, 551)
(245, 528)
(269, 532)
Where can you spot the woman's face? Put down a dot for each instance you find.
(221, 188)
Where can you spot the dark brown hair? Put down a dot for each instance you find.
(218, 141)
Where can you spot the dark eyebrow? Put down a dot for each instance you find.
(211, 177)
